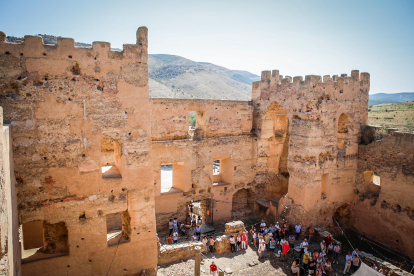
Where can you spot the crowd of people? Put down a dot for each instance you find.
(277, 240)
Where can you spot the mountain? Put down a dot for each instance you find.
(381, 98)
(177, 77)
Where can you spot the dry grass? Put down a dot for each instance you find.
(397, 115)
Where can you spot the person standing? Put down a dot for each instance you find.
(304, 246)
(232, 244)
(298, 227)
(311, 233)
(272, 246)
(198, 232)
(355, 263)
(285, 251)
(244, 241)
(311, 265)
(213, 269)
(254, 239)
(205, 244)
(171, 226)
(175, 236)
(348, 262)
(212, 241)
(337, 249)
(286, 226)
(175, 224)
(292, 241)
(328, 267)
(169, 240)
(262, 247)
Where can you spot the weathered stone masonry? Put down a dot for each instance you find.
(292, 148)
(62, 102)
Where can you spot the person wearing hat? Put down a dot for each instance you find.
(305, 260)
(304, 247)
(311, 265)
(143, 272)
(213, 269)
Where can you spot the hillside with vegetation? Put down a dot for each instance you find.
(396, 115)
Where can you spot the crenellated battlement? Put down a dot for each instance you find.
(274, 77)
(33, 47)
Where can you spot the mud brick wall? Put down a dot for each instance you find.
(390, 211)
(62, 102)
(307, 132)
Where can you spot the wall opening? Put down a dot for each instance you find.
(172, 178)
(242, 204)
(192, 120)
(223, 171)
(43, 240)
(325, 183)
(110, 158)
(372, 182)
(343, 132)
(118, 228)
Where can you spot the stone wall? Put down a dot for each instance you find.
(390, 209)
(62, 102)
(308, 132)
(10, 253)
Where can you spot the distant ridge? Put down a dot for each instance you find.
(383, 98)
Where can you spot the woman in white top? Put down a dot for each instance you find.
(238, 240)
(255, 239)
(194, 238)
(262, 247)
(205, 242)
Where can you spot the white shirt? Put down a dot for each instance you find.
(277, 226)
(348, 259)
(262, 224)
(298, 227)
(238, 239)
(231, 240)
(175, 222)
(304, 244)
(170, 224)
(194, 238)
(175, 236)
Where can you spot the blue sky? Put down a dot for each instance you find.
(297, 37)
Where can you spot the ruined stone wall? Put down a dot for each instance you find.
(197, 157)
(9, 231)
(308, 132)
(170, 118)
(62, 102)
(389, 209)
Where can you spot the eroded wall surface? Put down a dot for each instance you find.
(62, 102)
(223, 132)
(9, 229)
(385, 212)
(308, 131)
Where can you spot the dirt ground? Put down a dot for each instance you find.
(239, 263)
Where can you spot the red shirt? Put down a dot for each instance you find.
(327, 240)
(213, 267)
(285, 248)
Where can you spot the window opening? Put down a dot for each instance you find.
(118, 229)
(166, 177)
(110, 158)
(42, 240)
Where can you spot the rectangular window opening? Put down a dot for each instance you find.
(172, 178)
(118, 228)
(110, 158)
(192, 120)
(42, 240)
(223, 171)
